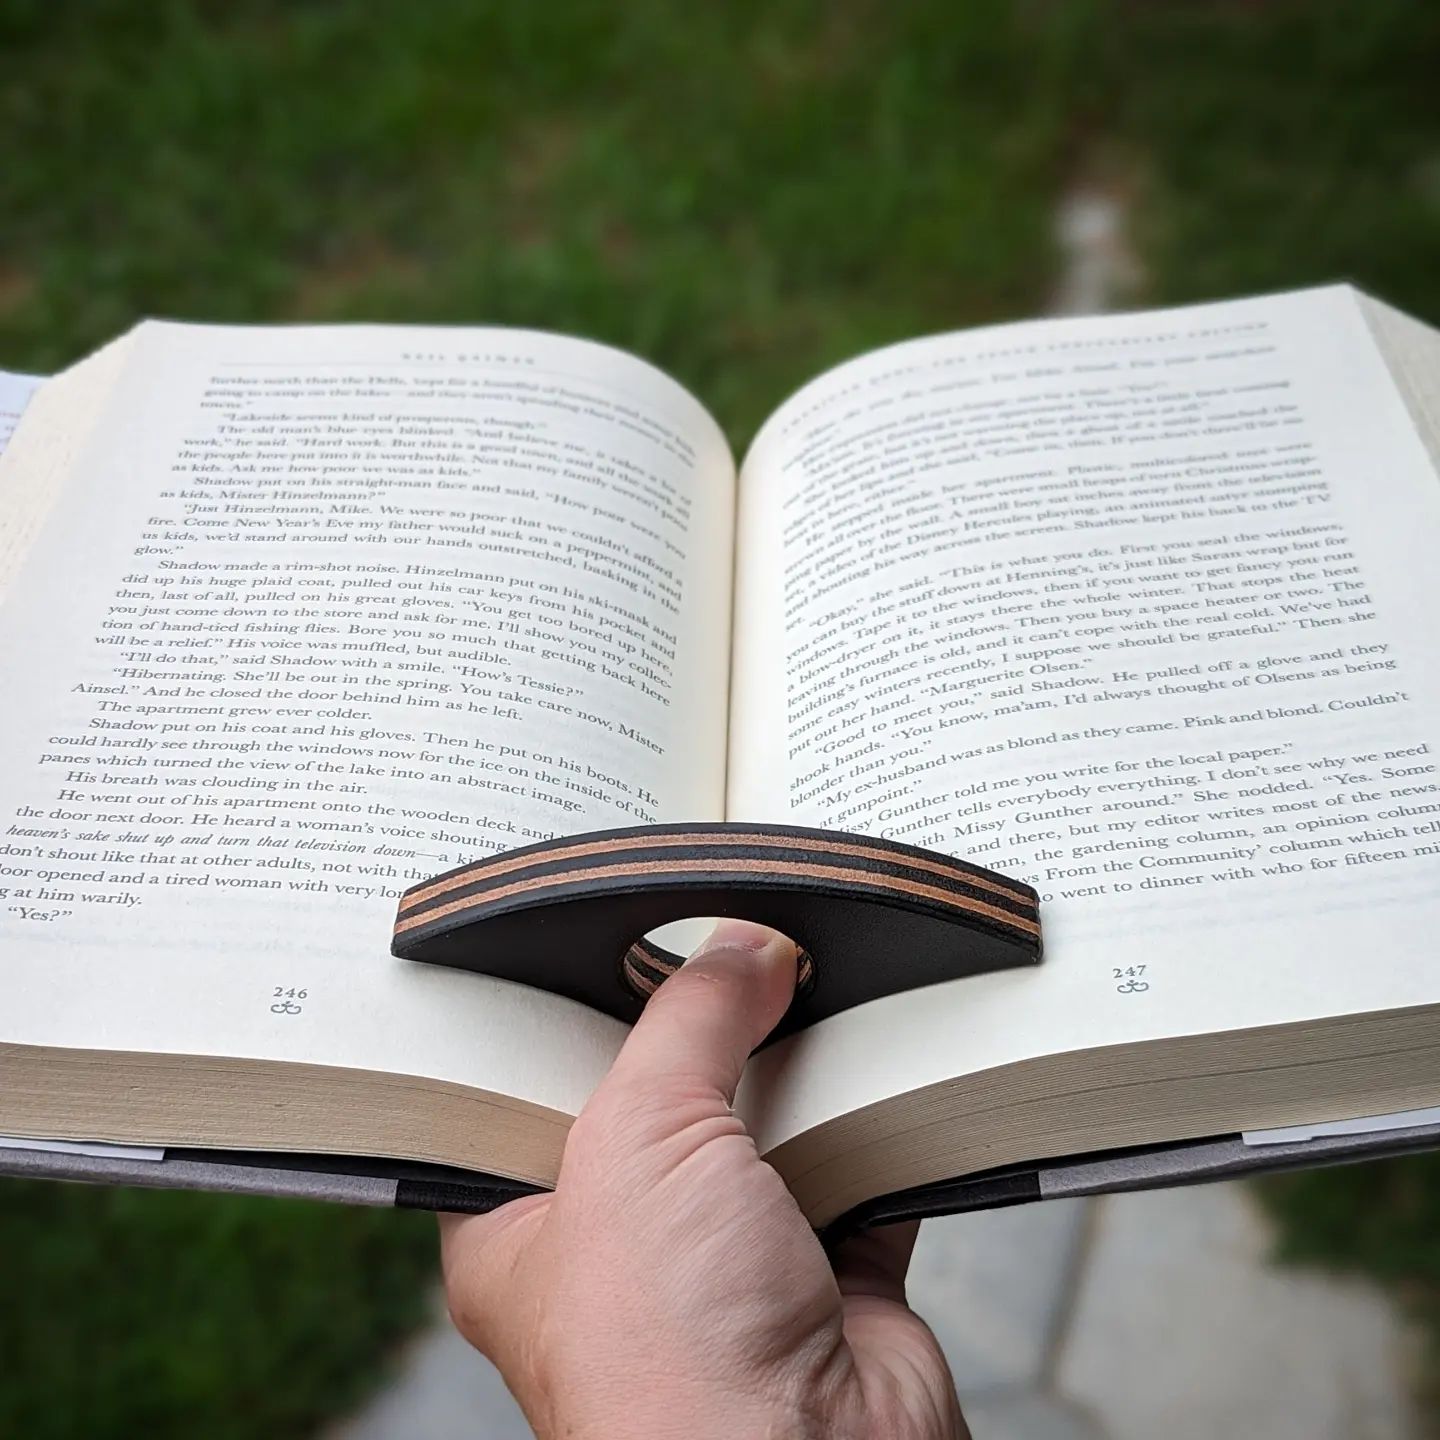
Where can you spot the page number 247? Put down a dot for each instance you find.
(1129, 979)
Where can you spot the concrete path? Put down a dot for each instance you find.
(1131, 1317)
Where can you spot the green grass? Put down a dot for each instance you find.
(132, 1313)
(1283, 144)
(745, 192)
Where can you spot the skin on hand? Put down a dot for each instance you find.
(670, 1286)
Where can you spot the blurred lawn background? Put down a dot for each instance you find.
(744, 193)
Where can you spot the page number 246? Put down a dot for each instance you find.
(287, 1000)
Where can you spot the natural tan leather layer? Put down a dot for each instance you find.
(504, 866)
(642, 957)
(866, 878)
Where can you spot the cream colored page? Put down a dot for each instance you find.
(58, 416)
(1412, 351)
(1141, 609)
(320, 613)
(15, 393)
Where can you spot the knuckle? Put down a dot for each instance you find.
(701, 986)
(464, 1314)
(619, 1117)
(469, 1312)
(590, 1129)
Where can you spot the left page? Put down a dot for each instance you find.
(317, 613)
(15, 393)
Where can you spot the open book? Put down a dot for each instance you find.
(1142, 609)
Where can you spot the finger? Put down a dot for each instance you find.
(875, 1262)
(487, 1242)
(478, 1255)
(702, 1023)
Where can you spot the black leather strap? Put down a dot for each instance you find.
(872, 917)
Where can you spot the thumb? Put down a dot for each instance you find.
(690, 1043)
(701, 1024)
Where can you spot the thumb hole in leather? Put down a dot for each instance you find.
(661, 952)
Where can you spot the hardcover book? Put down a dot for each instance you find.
(1140, 609)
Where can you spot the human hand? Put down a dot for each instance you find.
(670, 1286)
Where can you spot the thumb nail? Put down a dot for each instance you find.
(742, 935)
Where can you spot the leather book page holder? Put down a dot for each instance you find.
(871, 917)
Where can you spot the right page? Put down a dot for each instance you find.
(1143, 609)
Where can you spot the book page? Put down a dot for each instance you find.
(319, 613)
(15, 393)
(59, 415)
(1141, 609)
